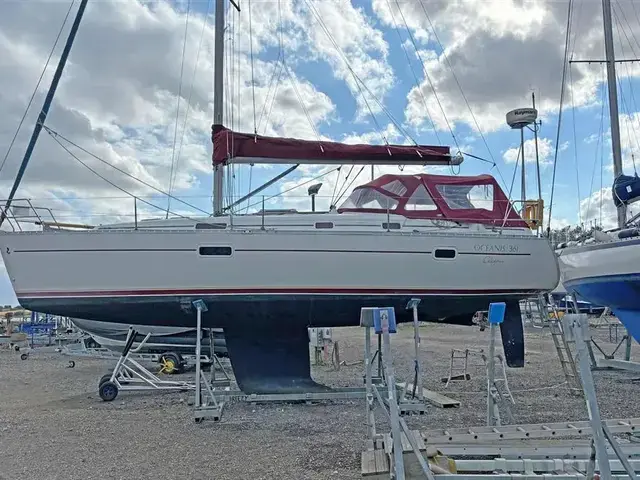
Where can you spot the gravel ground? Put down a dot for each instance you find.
(53, 425)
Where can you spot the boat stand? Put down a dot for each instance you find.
(496, 396)
(205, 405)
(609, 360)
(383, 322)
(521, 451)
(216, 366)
(129, 375)
(577, 325)
(411, 395)
(378, 378)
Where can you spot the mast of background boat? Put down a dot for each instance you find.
(613, 101)
(45, 108)
(535, 137)
(218, 106)
(523, 178)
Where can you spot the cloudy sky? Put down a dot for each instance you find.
(137, 94)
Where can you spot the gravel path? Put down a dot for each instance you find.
(53, 425)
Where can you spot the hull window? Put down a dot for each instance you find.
(445, 253)
(215, 251)
(324, 224)
(391, 226)
(211, 226)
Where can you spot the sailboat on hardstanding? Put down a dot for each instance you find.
(454, 242)
(607, 271)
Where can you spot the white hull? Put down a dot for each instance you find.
(619, 257)
(127, 262)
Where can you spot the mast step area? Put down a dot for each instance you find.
(525, 431)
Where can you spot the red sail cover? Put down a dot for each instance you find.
(250, 148)
(471, 199)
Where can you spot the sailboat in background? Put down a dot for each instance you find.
(456, 243)
(606, 269)
(161, 339)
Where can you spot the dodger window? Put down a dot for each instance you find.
(467, 196)
(369, 198)
(420, 200)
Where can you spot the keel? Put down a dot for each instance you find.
(271, 360)
(512, 332)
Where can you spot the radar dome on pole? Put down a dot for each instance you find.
(521, 117)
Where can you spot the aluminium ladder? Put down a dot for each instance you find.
(562, 345)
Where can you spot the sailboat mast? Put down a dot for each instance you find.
(218, 105)
(45, 108)
(613, 101)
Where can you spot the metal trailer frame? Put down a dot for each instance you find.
(130, 375)
(81, 350)
(540, 450)
(519, 458)
(539, 431)
(345, 393)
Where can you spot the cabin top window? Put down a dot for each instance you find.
(396, 187)
(369, 198)
(420, 200)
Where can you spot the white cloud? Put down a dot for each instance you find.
(119, 94)
(599, 209)
(377, 137)
(593, 138)
(545, 152)
(500, 51)
(558, 223)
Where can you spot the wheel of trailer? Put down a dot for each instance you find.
(24, 356)
(107, 378)
(171, 363)
(71, 364)
(108, 391)
(104, 378)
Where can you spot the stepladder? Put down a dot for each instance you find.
(459, 365)
(563, 348)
